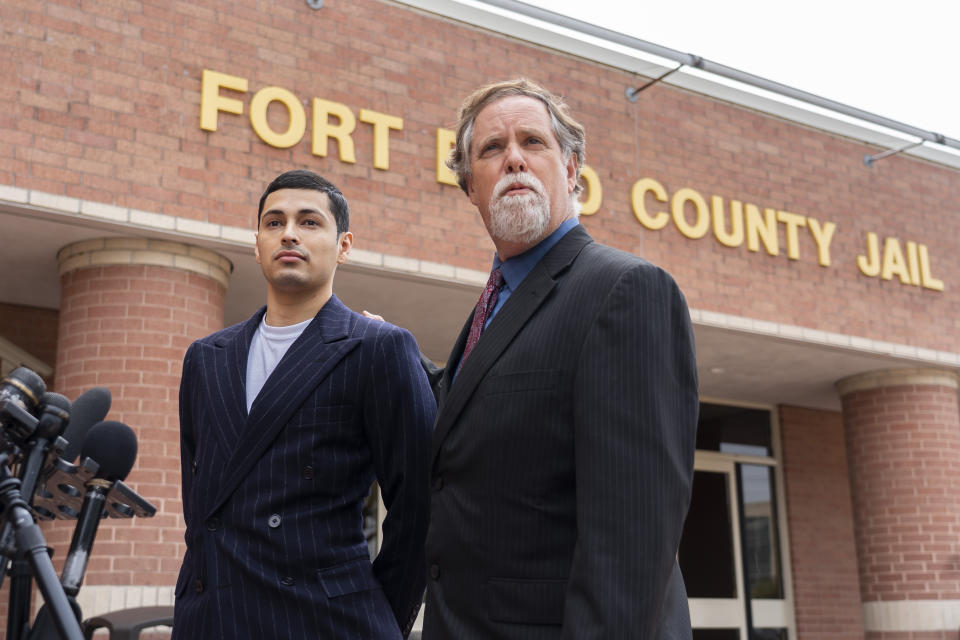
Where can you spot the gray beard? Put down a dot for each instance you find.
(519, 219)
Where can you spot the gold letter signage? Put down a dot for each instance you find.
(733, 223)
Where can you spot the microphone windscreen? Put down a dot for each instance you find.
(113, 446)
(58, 400)
(25, 384)
(88, 409)
(54, 415)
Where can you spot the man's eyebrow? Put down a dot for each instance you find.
(531, 130)
(302, 212)
(534, 130)
(480, 143)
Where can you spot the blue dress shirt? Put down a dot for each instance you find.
(518, 267)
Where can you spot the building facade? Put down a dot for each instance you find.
(137, 136)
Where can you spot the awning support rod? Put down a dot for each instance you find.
(869, 160)
(689, 60)
(634, 92)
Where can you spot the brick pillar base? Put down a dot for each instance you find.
(129, 309)
(903, 442)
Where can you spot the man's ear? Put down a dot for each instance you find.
(572, 166)
(346, 242)
(256, 247)
(471, 190)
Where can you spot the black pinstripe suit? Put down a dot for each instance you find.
(563, 458)
(272, 500)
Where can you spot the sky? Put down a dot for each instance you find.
(897, 59)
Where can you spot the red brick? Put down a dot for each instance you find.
(915, 486)
(823, 547)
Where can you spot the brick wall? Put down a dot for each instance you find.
(820, 521)
(903, 448)
(101, 102)
(127, 328)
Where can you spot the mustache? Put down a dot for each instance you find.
(525, 179)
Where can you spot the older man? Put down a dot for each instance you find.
(563, 450)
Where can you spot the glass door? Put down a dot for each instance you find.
(730, 551)
(710, 554)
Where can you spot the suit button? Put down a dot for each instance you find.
(195, 466)
(213, 524)
(307, 472)
(274, 521)
(435, 571)
(438, 483)
(198, 585)
(287, 581)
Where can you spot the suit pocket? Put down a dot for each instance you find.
(522, 382)
(352, 576)
(525, 601)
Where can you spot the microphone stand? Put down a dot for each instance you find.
(21, 580)
(30, 541)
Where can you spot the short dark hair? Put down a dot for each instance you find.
(305, 179)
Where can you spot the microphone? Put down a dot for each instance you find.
(54, 415)
(113, 445)
(20, 393)
(89, 408)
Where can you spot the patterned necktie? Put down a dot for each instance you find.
(488, 300)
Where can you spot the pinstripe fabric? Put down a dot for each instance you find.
(563, 459)
(273, 500)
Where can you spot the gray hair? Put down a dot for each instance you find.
(568, 132)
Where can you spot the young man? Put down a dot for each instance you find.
(286, 420)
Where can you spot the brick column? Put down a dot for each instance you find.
(903, 442)
(826, 588)
(129, 308)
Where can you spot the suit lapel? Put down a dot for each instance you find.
(452, 362)
(228, 382)
(320, 347)
(511, 318)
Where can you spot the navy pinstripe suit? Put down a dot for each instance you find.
(273, 499)
(563, 458)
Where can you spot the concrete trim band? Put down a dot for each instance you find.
(98, 599)
(897, 378)
(912, 615)
(144, 251)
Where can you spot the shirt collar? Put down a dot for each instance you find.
(517, 268)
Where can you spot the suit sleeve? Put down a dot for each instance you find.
(635, 414)
(187, 441)
(399, 410)
(434, 375)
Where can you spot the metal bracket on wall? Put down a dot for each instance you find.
(633, 93)
(869, 160)
(315, 4)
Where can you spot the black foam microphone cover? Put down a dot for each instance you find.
(20, 394)
(54, 414)
(27, 384)
(112, 445)
(89, 408)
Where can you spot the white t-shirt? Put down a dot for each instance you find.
(266, 349)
